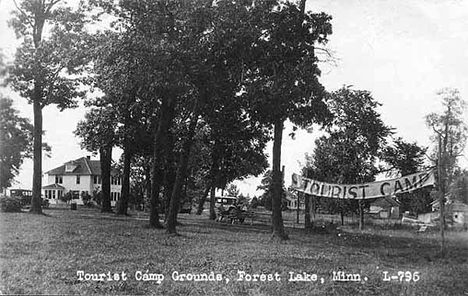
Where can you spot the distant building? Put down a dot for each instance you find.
(385, 207)
(456, 213)
(80, 176)
(293, 201)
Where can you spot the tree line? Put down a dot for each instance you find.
(230, 72)
(192, 91)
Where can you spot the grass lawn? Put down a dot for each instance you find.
(42, 255)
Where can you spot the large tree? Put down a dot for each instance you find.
(47, 66)
(350, 151)
(450, 135)
(404, 158)
(203, 55)
(266, 184)
(459, 186)
(98, 134)
(140, 67)
(15, 141)
(283, 81)
(235, 146)
(212, 57)
(122, 73)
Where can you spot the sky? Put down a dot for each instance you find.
(402, 51)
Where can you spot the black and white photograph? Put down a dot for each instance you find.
(233, 147)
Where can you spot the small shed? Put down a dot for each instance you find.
(385, 208)
(456, 212)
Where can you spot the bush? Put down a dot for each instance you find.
(97, 196)
(67, 197)
(86, 199)
(45, 203)
(10, 205)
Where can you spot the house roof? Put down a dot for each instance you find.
(53, 186)
(80, 166)
(386, 202)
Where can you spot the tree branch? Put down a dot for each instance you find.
(51, 84)
(49, 6)
(24, 14)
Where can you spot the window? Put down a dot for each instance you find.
(53, 194)
(115, 181)
(77, 179)
(59, 194)
(97, 179)
(70, 167)
(59, 179)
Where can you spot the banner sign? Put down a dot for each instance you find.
(363, 191)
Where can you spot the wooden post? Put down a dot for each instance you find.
(297, 209)
(307, 202)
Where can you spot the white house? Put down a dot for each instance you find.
(80, 176)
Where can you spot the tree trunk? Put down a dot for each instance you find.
(169, 173)
(154, 202)
(181, 172)
(36, 200)
(441, 175)
(167, 111)
(105, 155)
(183, 162)
(169, 180)
(147, 185)
(342, 215)
(212, 202)
(212, 181)
(202, 200)
(124, 196)
(276, 215)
